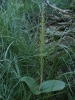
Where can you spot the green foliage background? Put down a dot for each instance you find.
(19, 52)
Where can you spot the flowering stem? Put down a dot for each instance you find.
(42, 32)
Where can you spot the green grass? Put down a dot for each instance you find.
(19, 55)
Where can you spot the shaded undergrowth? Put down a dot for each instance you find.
(19, 54)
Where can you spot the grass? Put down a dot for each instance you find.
(19, 56)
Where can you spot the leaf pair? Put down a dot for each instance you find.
(46, 86)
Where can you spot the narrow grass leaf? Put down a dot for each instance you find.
(7, 50)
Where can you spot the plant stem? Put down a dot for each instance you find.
(42, 32)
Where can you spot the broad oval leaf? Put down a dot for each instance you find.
(51, 85)
(0, 97)
(33, 86)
